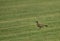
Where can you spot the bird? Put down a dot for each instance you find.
(41, 25)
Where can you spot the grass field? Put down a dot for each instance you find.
(17, 20)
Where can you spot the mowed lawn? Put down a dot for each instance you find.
(17, 20)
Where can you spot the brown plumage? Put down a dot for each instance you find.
(40, 25)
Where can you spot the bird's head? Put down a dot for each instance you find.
(36, 21)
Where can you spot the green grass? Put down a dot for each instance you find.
(17, 20)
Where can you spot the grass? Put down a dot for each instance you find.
(17, 20)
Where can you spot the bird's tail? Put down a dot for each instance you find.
(46, 25)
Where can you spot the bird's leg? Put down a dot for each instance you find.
(40, 27)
